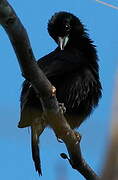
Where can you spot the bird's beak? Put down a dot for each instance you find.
(62, 41)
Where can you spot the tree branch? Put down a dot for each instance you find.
(30, 70)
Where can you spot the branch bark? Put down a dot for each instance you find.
(30, 70)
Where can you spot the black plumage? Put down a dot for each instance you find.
(73, 69)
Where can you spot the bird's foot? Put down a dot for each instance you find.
(62, 107)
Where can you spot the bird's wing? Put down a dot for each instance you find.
(58, 63)
(29, 105)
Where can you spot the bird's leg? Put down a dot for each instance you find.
(37, 128)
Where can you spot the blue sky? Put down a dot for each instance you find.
(15, 151)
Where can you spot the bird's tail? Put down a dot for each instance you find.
(35, 149)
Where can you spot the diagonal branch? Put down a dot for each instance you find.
(30, 70)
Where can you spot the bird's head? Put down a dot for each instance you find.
(63, 26)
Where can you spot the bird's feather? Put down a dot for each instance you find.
(73, 79)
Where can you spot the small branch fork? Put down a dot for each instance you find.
(30, 70)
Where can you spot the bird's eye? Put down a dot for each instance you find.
(67, 27)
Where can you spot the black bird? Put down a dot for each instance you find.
(73, 69)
